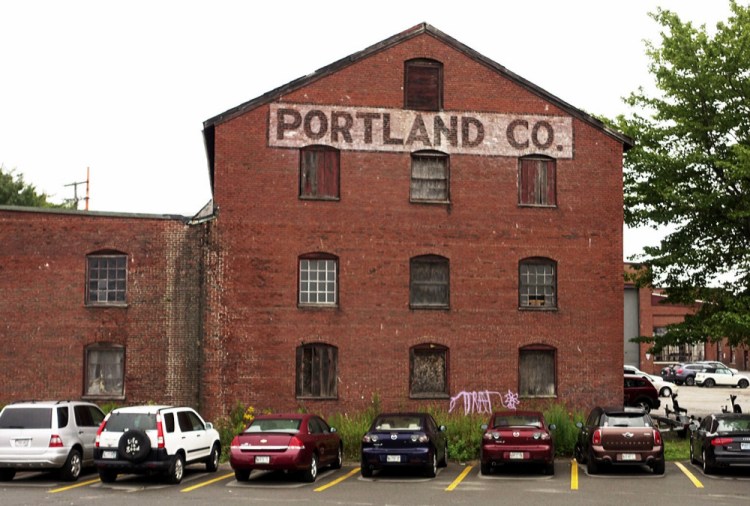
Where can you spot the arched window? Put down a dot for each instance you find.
(319, 173)
(428, 371)
(537, 181)
(537, 284)
(429, 282)
(423, 84)
(317, 371)
(318, 279)
(537, 371)
(430, 177)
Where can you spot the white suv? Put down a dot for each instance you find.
(155, 439)
(44, 435)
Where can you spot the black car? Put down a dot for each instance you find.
(404, 440)
(721, 440)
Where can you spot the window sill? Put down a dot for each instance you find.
(317, 306)
(542, 309)
(122, 305)
(325, 199)
(99, 397)
(430, 396)
(543, 206)
(420, 307)
(314, 398)
(438, 202)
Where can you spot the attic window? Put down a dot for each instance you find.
(423, 85)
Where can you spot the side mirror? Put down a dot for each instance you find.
(483, 426)
(552, 426)
(333, 430)
(443, 428)
(579, 425)
(209, 426)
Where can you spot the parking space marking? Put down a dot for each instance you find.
(203, 484)
(458, 480)
(70, 487)
(338, 480)
(690, 475)
(573, 474)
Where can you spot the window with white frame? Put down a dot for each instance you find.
(106, 279)
(318, 280)
(537, 287)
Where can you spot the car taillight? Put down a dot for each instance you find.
(159, 432)
(55, 441)
(296, 444)
(597, 438)
(422, 438)
(657, 438)
(99, 431)
(370, 438)
(721, 441)
(679, 371)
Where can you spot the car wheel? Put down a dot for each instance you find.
(666, 392)
(365, 470)
(690, 381)
(134, 445)
(339, 458)
(743, 383)
(591, 465)
(7, 474)
(107, 476)
(659, 467)
(176, 469)
(485, 468)
(242, 474)
(644, 404)
(444, 461)
(311, 472)
(693, 460)
(709, 383)
(707, 468)
(212, 463)
(578, 454)
(431, 469)
(72, 468)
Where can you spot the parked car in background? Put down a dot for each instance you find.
(300, 443)
(717, 365)
(685, 373)
(404, 440)
(640, 392)
(721, 377)
(513, 438)
(619, 436)
(665, 388)
(50, 435)
(155, 439)
(721, 440)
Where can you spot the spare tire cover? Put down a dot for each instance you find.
(134, 445)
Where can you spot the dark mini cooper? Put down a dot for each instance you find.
(721, 440)
(517, 438)
(404, 440)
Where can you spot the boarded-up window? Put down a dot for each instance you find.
(318, 280)
(319, 173)
(429, 177)
(536, 371)
(428, 371)
(106, 277)
(429, 281)
(317, 366)
(423, 85)
(537, 178)
(537, 287)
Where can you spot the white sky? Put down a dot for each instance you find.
(124, 87)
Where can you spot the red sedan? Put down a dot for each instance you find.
(517, 437)
(301, 443)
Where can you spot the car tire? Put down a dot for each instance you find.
(743, 383)
(578, 454)
(665, 392)
(659, 467)
(212, 462)
(444, 461)
(592, 467)
(7, 474)
(242, 474)
(485, 468)
(690, 381)
(549, 469)
(134, 446)
(311, 473)
(707, 468)
(693, 460)
(365, 470)
(339, 461)
(709, 383)
(176, 469)
(107, 476)
(644, 404)
(72, 468)
(431, 470)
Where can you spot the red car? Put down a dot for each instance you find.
(517, 437)
(301, 443)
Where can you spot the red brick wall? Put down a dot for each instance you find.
(45, 324)
(254, 324)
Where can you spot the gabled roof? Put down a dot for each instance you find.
(422, 28)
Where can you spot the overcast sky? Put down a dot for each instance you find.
(123, 88)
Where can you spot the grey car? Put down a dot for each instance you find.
(48, 435)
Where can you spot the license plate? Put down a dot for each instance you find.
(744, 446)
(109, 455)
(516, 455)
(628, 456)
(393, 458)
(262, 459)
(21, 443)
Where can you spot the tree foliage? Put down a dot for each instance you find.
(14, 191)
(690, 168)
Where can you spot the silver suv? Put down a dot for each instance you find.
(155, 439)
(57, 435)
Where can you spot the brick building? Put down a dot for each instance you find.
(413, 222)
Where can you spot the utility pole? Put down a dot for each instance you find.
(75, 198)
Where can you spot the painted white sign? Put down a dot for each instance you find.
(398, 130)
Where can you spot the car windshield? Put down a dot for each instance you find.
(625, 420)
(26, 418)
(398, 423)
(734, 425)
(517, 421)
(123, 422)
(274, 425)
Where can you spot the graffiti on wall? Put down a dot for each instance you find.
(481, 402)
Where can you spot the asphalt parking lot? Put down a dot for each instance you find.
(701, 401)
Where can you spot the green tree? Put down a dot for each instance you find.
(690, 168)
(14, 191)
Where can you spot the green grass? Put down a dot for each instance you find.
(675, 447)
